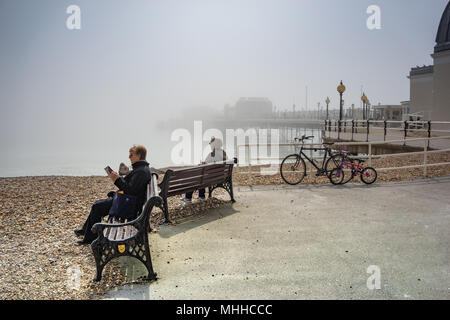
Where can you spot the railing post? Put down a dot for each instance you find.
(425, 158)
(406, 132)
(310, 166)
(429, 133)
(385, 129)
(353, 127)
(249, 165)
(370, 154)
(367, 139)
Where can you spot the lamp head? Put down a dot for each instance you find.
(341, 88)
(363, 98)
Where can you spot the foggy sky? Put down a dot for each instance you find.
(135, 62)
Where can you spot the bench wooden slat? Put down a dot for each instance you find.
(112, 234)
(183, 189)
(177, 183)
(186, 173)
(213, 177)
(215, 174)
(216, 170)
(127, 232)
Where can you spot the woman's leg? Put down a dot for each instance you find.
(99, 209)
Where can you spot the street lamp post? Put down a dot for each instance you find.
(341, 90)
(327, 102)
(364, 100)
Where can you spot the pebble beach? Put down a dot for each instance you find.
(38, 216)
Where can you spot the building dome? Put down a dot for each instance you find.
(443, 34)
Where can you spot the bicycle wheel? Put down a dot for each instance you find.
(340, 161)
(293, 169)
(336, 176)
(369, 175)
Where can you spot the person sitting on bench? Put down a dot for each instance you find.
(217, 155)
(134, 183)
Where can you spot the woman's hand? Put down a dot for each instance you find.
(113, 176)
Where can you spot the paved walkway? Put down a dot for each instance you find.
(307, 242)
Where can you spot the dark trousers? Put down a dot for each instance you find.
(201, 194)
(99, 209)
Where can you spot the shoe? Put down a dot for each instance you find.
(79, 233)
(83, 242)
(186, 200)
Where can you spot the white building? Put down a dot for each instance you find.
(430, 85)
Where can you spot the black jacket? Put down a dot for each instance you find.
(135, 182)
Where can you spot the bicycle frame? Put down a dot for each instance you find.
(356, 168)
(325, 157)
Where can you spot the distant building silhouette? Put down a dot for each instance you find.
(250, 108)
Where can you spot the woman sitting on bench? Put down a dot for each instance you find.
(134, 183)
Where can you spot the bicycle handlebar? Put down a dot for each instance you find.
(304, 138)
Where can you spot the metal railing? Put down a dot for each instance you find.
(370, 126)
(277, 160)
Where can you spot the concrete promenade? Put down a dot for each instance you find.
(307, 242)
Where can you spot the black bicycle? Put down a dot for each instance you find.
(293, 167)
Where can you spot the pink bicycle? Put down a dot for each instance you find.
(355, 167)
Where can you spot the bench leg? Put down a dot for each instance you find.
(227, 185)
(165, 209)
(98, 277)
(141, 251)
(97, 250)
(148, 262)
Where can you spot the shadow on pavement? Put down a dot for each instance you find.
(191, 222)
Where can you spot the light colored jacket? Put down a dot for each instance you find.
(218, 155)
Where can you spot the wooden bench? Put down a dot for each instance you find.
(127, 238)
(211, 176)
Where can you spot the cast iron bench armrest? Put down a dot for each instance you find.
(99, 227)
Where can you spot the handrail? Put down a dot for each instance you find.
(370, 156)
